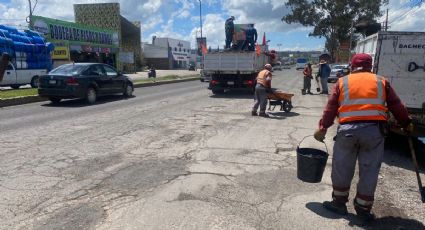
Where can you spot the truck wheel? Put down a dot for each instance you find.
(91, 95)
(55, 100)
(15, 86)
(217, 91)
(34, 82)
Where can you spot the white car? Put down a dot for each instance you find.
(338, 70)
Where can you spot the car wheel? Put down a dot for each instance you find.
(15, 86)
(128, 90)
(91, 95)
(34, 82)
(55, 100)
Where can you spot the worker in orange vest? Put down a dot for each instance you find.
(361, 101)
(263, 86)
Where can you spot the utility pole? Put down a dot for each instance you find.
(386, 21)
(351, 40)
(29, 17)
(200, 15)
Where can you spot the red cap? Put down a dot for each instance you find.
(362, 60)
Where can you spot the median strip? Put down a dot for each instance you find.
(25, 96)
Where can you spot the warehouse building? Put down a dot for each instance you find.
(167, 53)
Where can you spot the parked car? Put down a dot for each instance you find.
(192, 67)
(337, 71)
(277, 66)
(83, 80)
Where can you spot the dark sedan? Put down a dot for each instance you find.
(83, 80)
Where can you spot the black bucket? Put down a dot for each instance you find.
(311, 164)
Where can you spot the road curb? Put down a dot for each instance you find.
(33, 99)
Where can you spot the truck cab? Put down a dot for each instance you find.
(16, 77)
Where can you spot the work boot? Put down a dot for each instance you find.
(336, 207)
(263, 114)
(365, 216)
(254, 113)
(363, 213)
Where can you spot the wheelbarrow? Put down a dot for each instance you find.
(279, 98)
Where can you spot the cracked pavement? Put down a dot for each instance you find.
(172, 157)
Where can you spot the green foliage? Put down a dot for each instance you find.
(5, 94)
(332, 19)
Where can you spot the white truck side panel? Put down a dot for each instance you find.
(393, 58)
(234, 61)
(20, 76)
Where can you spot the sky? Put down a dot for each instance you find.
(180, 18)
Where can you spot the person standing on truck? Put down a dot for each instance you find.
(361, 100)
(251, 38)
(307, 79)
(263, 86)
(324, 73)
(229, 28)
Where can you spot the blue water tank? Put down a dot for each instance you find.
(4, 33)
(9, 28)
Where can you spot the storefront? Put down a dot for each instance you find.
(78, 43)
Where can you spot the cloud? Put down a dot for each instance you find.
(404, 17)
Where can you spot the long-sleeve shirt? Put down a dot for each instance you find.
(394, 105)
(307, 71)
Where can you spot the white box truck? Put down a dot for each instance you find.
(400, 58)
(17, 75)
(233, 69)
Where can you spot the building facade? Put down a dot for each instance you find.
(108, 16)
(76, 42)
(167, 53)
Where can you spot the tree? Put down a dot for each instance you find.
(332, 19)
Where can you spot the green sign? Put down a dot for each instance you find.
(61, 30)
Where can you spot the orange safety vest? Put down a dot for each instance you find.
(261, 78)
(362, 98)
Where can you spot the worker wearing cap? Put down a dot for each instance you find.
(361, 101)
(264, 80)
(324, 73)
(229, 28)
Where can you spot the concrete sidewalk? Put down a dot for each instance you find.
(162, 73)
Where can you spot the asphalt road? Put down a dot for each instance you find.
(176, 157)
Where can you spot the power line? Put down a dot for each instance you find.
(407, 12)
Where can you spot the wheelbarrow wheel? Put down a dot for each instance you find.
(287, 106)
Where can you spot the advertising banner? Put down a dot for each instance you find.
(201, 42)
(53, 29)
(60, 53)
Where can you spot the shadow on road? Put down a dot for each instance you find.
(397, 152)
(235, 94)
(280, 115)
(76, 103)
(383, 223)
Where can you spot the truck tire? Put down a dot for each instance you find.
(34, 82)
(217, 91)
(15, 86)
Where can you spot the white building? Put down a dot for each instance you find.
(167, 53)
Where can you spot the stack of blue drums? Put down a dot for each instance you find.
(28, 49)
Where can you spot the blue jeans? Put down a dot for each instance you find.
(324, 83)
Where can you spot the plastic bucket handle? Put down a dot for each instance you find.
(326, 146)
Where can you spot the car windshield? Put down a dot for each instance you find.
(68, 69)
